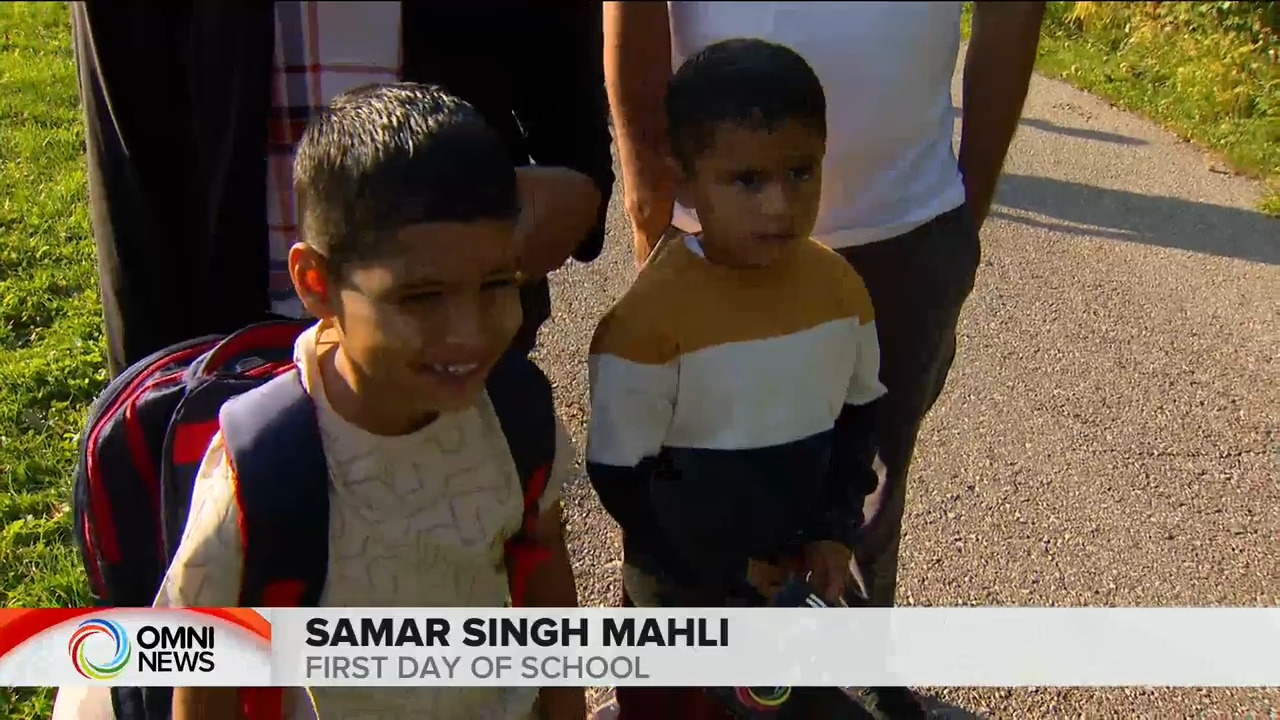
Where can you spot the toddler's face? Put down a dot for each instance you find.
(756, 191)
(427, 320)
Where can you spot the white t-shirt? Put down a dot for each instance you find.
(886, 68)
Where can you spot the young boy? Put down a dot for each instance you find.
(408, 210)
(732, 387)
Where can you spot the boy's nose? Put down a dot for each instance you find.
(466, 324)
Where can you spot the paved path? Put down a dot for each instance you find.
(1111, 432)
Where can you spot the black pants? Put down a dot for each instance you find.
(918, 283)
(174, 261)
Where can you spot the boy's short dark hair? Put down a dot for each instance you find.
(745, 82)
(381, 157)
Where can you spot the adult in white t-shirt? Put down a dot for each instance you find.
(896, 200)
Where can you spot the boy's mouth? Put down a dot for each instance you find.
(775, 238)
(453, 371)
(460, 369)
(453, 377)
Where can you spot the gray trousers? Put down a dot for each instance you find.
(918, 283)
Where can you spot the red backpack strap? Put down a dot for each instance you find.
(522, 399)
(282, 491)
(523, 554)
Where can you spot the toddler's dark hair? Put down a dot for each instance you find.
(745, 82)
(381, 157)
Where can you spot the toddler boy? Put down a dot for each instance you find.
(733, 385)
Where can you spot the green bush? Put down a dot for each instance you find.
(1209, 71)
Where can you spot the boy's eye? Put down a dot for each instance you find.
(428, 297)
(748, 179)
(500, 283)
(801, 173)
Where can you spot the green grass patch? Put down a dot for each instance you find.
(1208, 71)
(51, 355)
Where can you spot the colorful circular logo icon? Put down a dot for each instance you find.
(119, 659)
(763, 699)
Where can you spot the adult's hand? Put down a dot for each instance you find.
(997, 72)
(649, 197)
(558, 207)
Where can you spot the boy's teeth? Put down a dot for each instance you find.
(455, 369)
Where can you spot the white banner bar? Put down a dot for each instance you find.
(1005, 646)
(767, 647)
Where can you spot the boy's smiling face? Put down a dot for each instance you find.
(424, 322)
(756, 191)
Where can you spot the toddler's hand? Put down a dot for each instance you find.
(766, 578)
(828, 562)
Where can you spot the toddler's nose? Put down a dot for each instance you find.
(773, 200)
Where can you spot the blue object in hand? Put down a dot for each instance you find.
(752, 703)
(797, 593)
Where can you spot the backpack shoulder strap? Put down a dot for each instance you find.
(521, 396)
(282, 488)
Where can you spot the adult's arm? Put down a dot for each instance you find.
(562, 106)
(997, 72)
(637, 64)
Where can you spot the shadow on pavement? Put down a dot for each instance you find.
(1122, 215)
(946, 711)
(1082, 133)
(1075, 132)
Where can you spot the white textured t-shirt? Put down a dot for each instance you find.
(886, 68)
(415, 521)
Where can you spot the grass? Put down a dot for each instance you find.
(51, 356)
(1208, 71)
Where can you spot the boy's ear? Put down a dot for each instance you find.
(309, 272)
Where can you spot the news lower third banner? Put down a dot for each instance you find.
(600, 646)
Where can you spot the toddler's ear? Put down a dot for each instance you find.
(684, 182)
(310, 277)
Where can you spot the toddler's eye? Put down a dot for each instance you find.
(424, 297)
(749, 179)
(801, 173)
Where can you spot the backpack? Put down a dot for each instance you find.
(147, 434)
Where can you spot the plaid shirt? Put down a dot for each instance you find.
(361, 45)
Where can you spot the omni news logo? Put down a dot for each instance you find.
(118, 661)
(101, 649)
